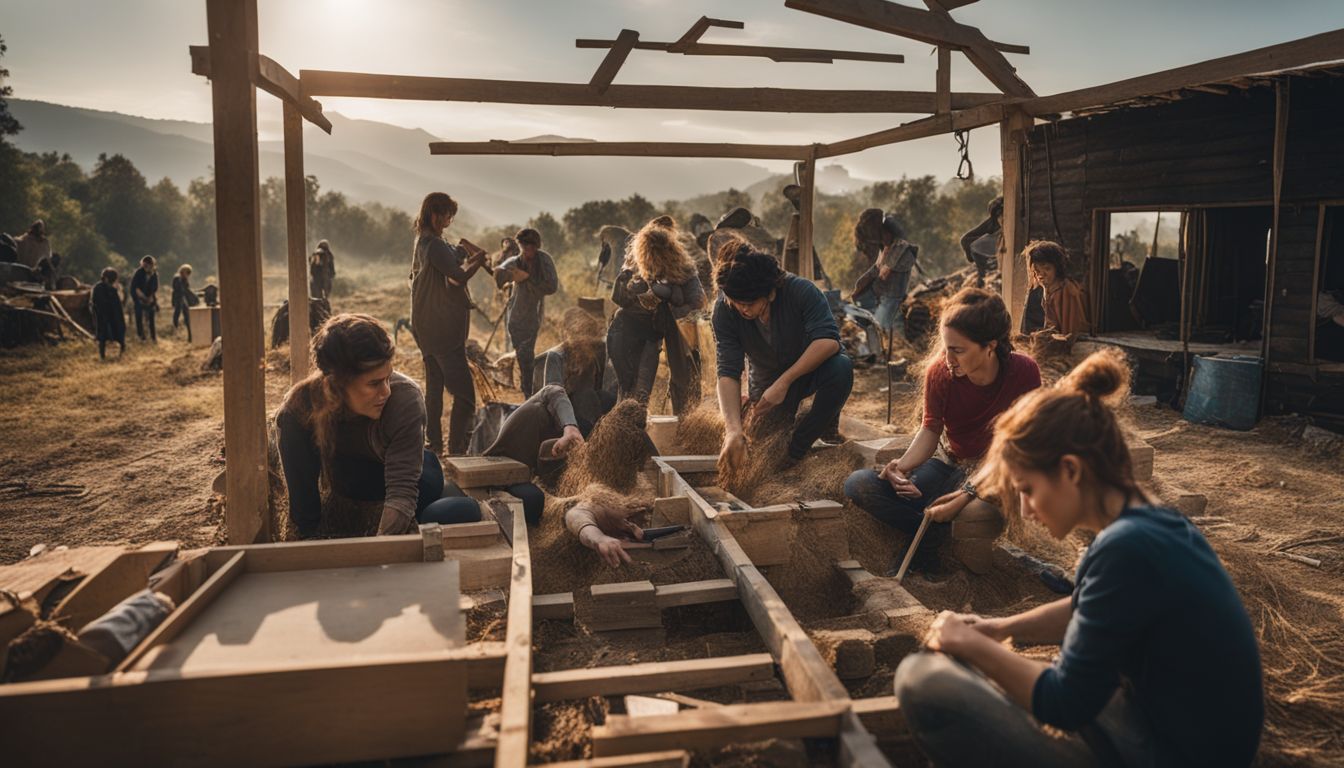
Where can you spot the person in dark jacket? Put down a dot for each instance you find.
(533, 277)
(888, 279)
(579, 365)
(108, 318)
(183, 298)
(784, 326)
(321, 271)
(674, 291)
(1158, 664)
(362, 424)
(145, 298)
(441, 320)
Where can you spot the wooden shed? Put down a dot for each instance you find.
(1252, 171)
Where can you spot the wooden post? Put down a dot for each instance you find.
(232, 28)
(1012, 135)
(296, 230)
(943, 89)
(806, 179)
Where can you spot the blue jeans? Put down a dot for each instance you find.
(362, 480)
(958, 718)
(875, 496)
(533, 498)
(830, 383)
(888, 313)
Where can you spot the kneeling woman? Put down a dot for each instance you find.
(972, 377)
(363, 425)
(1158, 664)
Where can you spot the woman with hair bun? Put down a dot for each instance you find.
(971, 377)
(1158, 665)
(361, 424)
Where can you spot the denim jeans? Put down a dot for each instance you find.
(362, 480)
(875, 496)
(533, 498)
(830, 383)
(959, 718)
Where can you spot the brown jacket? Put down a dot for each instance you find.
(1066, 309)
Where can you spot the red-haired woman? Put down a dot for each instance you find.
(1158, 664)
(361, 424)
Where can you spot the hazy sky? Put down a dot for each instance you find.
(131, 56)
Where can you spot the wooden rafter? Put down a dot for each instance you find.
(960, 120)
(698, 29)
(774, 53)
(269, 76)
(1327, 46)
(621, 149)
(363, 85)
(934, 27)
(620, 50)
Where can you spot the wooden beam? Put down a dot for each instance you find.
(272, 78)
(296, 233)
(807, 175)
(774, 53)
(1281, 112)
(690, 463)
(233, 35)
(698, 29)
(695, 593)
(935, 28)
(362, 85)
(187, 611)
(1326, 46)
(943, 80)
(1012, 135)
(620, 149)
(673, 758)
(606, 71)
(653, 677)
(515, 709)
(718, 726)
(961, 120)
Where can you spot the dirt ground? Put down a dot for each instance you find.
(140, 439)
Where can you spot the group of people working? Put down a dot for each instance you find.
(1158, 661)
(107, 303)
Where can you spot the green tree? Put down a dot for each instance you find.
(120, 204)
(9, 126)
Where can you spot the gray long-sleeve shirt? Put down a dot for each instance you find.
(440, 310)
(542, 417)
(528, 302)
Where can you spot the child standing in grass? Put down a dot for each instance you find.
(105, 301)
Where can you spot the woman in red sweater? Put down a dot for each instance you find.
(972, 376)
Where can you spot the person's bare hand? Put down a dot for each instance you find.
(612, 553)
(899, 482)
(734, 451)
(948, 506)
(951, 634)
(884, 272)
(772, 396)
(994, 629)
(571, 439)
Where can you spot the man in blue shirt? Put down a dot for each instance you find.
(783, 325)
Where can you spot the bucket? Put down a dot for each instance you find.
(1225, 391)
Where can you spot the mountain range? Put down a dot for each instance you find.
(371, 161)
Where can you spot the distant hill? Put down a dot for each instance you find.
(371, 161)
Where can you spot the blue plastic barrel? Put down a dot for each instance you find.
(1225, 391)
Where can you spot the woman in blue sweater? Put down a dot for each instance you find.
(1158, 662)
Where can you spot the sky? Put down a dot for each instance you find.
(130, 56)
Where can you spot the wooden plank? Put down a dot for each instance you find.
(673, 758)
(943, 81)
(273, 717)
(807, 175)
(935, 28)
(515, 710)
(615, 58)
(774, 53)
(620, 149)
(296, 237)
(626, 605)
(689, 464)
(99, 592)
(1296, 53)
(695, 593)
(559, 606)
(709, 728)
(179, 619)
(959, 120)
(1012, 137)
(698, 29)
(272, 78)
(653, 677)
(331, 553)
(363, 85)
(881, 715)
(483, 471)
(233, 37)
(36, 577)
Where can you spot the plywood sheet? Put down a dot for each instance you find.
(335, 615)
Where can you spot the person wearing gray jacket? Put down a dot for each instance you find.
(533, 277)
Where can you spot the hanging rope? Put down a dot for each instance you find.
(965, 171)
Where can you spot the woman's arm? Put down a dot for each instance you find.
(1015, 674)
(402, 425)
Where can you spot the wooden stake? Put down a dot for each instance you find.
(807, 180)
(914, 544)
(515, 709)
(296, 231)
